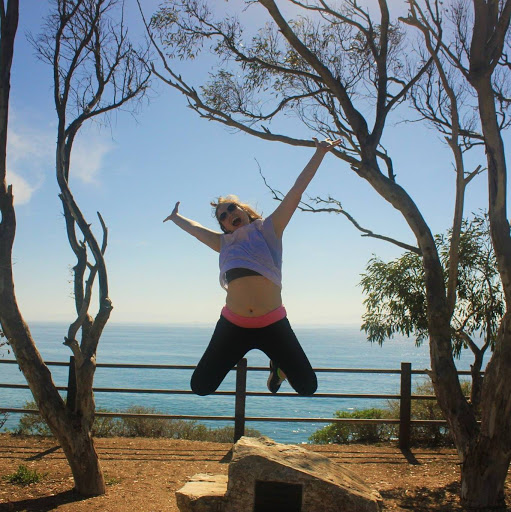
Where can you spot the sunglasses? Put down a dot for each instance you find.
(230, 208)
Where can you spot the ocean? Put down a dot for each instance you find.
(326, 346)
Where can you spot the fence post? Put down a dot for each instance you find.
(241, 395)
(71, 385)
(405, 406)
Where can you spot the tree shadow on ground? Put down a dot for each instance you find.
(40, 455)
(43, 504)
(410, 457)
(423, 499)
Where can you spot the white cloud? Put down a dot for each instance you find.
(27, 145)
(29, 156)
(87, 157)
(21, 189)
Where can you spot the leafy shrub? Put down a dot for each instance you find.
(32, 424)
(342, 433)
(112, 480)
(160, 427)
(433, 435)
(226, 434)
(24, 476)
(105, 426)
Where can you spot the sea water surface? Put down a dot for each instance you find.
(326, 347)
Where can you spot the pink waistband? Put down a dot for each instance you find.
(254, 322)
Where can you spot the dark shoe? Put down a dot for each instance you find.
(274, 379)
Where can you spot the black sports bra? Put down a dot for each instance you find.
(235, 273)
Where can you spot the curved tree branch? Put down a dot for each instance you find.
(304, 207)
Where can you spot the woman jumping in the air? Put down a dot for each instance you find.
(250, 270)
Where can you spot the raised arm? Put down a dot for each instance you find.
(205, 235)
(283, 213)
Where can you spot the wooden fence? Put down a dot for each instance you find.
(241, 394)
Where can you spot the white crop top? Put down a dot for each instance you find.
(254, 246)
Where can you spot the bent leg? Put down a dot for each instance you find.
(279, 343)
(227, 346)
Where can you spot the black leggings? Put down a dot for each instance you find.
(230, 343)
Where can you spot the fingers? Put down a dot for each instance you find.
(169, 217)
(331, 142)
(326, 144)
(174, 212)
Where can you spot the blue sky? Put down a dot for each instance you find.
(134, 171)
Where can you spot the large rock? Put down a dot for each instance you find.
(264, 475)
(203, 493)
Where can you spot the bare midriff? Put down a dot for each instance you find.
(253, 296)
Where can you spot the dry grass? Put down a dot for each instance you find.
(143, 474)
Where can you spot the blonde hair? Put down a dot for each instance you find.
(252, 214)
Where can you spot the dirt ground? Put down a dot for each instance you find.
(143, 474)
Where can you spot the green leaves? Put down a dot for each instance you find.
(265, 74)
(395, 301)
(396, 295)
(25, 476)
(342, 433)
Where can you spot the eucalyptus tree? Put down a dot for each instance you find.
(395, 297)
(9, 16)
(477, 51)
(95, 70)
(341, 70)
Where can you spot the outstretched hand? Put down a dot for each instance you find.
(326, 145)
(173, 214)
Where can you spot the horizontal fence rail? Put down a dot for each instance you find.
(405, 397)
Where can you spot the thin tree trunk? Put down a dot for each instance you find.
(71, 429)
(486, 461)
(83, 460)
